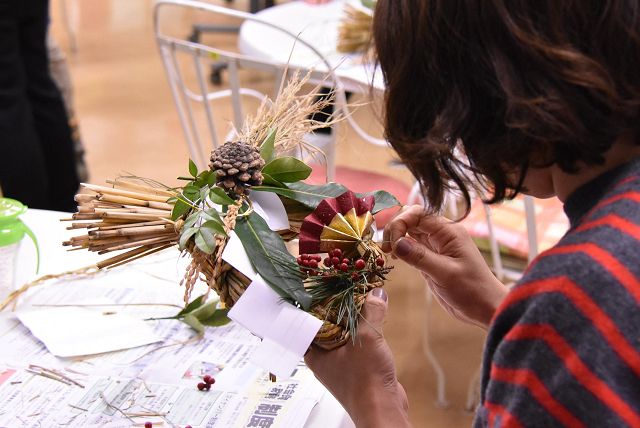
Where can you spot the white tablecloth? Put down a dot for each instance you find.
(317, 25)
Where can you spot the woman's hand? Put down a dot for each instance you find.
(362, 376)
(447, 258)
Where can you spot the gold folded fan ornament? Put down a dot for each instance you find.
(343, 222)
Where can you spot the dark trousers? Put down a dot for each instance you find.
(37, 160)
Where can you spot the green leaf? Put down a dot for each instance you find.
(186, 234)
(171, 199)
(190, 188)
(311, 195)
(211, 181)
(195, 304)
(206, 310)
(371, 4)
(268, 253)
(214, 228)
(211, 214)
(220, 197)
(200, 183)
(384, 200)
(217, 319)
(194, 323)
(270, 181)
(193, 169)
(287, 169)
(205, 241)
(179, 209)
(191, 220)
(307, 194)
(267, 148)
(204, 175)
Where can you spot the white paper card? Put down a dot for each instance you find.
(235, 254)
(73, 331)
(286, 341)
(270, 207)
(258, 307)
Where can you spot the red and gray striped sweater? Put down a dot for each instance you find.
(564, 347)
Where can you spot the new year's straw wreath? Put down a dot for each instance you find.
(138, 216)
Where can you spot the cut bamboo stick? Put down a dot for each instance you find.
(126, 193)
(137, 243)
(124, 256)
(135, 216)
(150, 190)
(83, 198)
(125, 226)
(152, 249)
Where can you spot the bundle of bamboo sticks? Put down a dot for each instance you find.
(127, 216)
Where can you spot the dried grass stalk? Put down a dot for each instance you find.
(291, 113)
(355, 33)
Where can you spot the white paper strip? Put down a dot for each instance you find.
(286, 330)
(235, 254)
(286, 341)
(70, 332)
(257, 308)
(269, 204)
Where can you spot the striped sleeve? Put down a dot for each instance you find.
(564, 347)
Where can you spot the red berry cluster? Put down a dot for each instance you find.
(208, 381)
(309, 263)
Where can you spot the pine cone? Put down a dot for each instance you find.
(237, 165)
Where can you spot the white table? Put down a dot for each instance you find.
(317, 26)
(50, 232)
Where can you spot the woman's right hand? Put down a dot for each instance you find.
(447, 258)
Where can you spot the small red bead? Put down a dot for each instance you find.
(207, 386)
(335, 261)
(355, 276)
(380, 261)
(299, 260)
(344, 267)
(201, 386)
(326, 274)
(347, 261)
(148, 425)
(360, 264)
(318, 258)
(188, 426)
(327, 262)
(304, 256)
(332, 253)
(337, 252)
(313, 272)
(207, 379)
(305, 263)
(313, 264)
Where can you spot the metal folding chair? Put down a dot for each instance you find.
(187, 98)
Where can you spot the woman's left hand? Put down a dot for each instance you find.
(362, 375)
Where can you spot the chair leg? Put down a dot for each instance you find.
(440, 377)
(472, 392)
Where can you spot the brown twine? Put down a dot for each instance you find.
(215, 282)
(13, 297)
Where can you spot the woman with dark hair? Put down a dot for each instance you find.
(534, 96)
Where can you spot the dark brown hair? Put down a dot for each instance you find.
(520, 83)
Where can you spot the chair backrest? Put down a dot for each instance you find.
(186, 98)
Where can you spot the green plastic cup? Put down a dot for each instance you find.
(12, 230)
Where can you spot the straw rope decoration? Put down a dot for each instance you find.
(138, 216)
(355, 33)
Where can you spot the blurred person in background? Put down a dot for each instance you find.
(37, 158)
